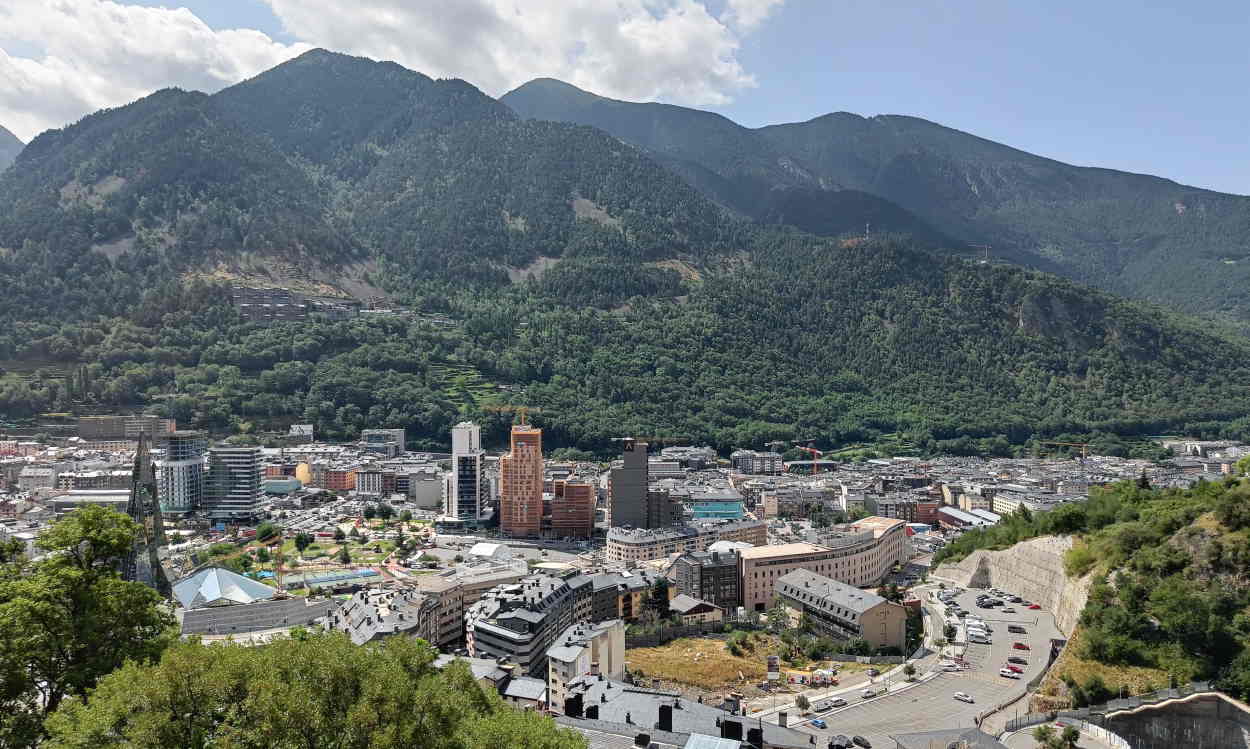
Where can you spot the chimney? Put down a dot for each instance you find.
(665, 723)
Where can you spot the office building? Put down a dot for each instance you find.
(466, 491)
(627, 488)
(233, 492)
(842, 611)
(180, 477)
(628, 545)
(572, 506)
(521, 484)
(388, 442)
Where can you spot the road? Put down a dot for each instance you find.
(929, 706)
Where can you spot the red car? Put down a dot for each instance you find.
(1020, 646)
(1014, 669)
(1034, 607)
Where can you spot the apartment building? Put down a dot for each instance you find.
(180, 472)
(457, 589)
(842, 611)
(710, 576)
(570, 511)
(757, 463)
(628, 545)
(233, 490)
(585, 649)
(467, 491)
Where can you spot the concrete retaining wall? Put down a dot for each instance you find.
(1032, 569)
(1208, 721)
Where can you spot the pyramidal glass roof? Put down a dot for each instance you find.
(218, 586)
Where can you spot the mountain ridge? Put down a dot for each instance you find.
(10, 147)
(1141, 235)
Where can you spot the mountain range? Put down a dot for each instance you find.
(1132, 234)
(10, 146)
(577, 270)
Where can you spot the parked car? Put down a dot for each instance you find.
(840, 742)
(1014, 668)
(868, 694)
(949, 667)
(873, 672)
(1020, 646)
(1016, 628)
(817, 722)
(861, 741)
(1008, 610)
(1018, 659)
(1034, 607)
(1008, 674)
(963, 697)
(837, 702)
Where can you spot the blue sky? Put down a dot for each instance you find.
(1160, 88)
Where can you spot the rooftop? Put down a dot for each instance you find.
(779, 550)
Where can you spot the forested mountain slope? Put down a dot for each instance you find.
(1133, 234)
(663, 311)
(9, 147)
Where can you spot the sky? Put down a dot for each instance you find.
(1144, 86)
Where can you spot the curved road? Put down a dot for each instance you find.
(929, 706)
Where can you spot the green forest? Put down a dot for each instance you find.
(664, 315)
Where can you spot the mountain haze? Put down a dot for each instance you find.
(647, 305)
(10, 147)
(1133, 234)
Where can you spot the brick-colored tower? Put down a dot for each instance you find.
(521, 484)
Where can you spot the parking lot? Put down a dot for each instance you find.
(930, 705)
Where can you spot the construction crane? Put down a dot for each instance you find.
(984, 248)
(775, 443)
(522, 412)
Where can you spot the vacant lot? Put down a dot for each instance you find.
(1135, 679)
(703, 663)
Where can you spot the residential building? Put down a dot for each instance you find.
(180, 473)
(663, 509)
(388, 442)
(757, 463)
(627, 488)
(627, 545)
(457, 589)
(842, 611)
(369, 481)
(519, 622)
(709, 576)
(375, 614)
(861, 557)
(34, 478)
(572, 510)
(584, 649)
(693, 611)
(93, 480)
(233, 490)
(336, 478)
(122, 427)
(466, 490)
(521, 484)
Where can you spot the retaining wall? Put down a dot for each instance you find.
(1207, 721)
(1032, 569)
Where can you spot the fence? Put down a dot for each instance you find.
(1128, 703)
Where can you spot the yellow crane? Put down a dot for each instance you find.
(522, 412)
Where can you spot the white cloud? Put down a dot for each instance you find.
(95, 53)
(747, 14)
(636, 49)
(70, 57)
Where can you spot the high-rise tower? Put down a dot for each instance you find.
(521, 483)
(466, 491)
(181, 474)
(627, 488)
(233, 492)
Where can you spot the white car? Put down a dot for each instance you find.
(963, 697)
(1008, 674)
(869, 693)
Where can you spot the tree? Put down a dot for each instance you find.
(371, 511)
(339, 535)
(318, 690)
(1070, 737)
(69, 619)
(344, 556)
(266, 531)
(302, 541)
(405, 516)
(262, 554)
(909, 671)
(802, 703)
(354, 534)
(386, 511)
(245, 562)
(1044, 735)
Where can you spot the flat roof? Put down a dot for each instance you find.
(779, 550)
